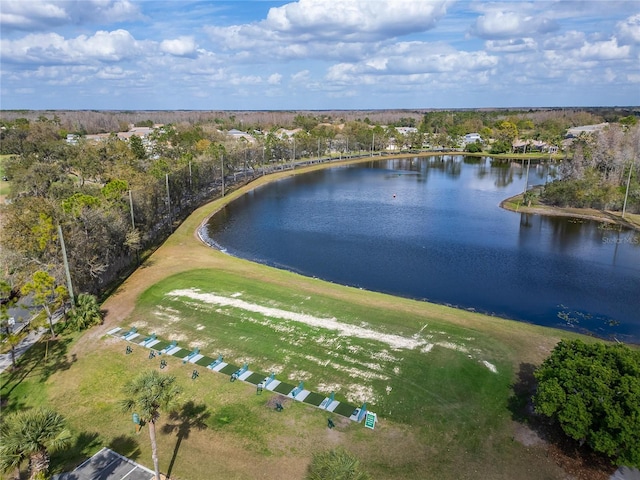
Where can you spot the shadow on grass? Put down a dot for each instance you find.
(38, 363)
(126, 445)
(81, 449)
(579, 461)
(190, 416)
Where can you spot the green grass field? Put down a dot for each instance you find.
(439, 379)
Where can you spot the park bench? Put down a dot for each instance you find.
(279, 407)
(163, 363)
(330, 423)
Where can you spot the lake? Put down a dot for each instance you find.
(431, 228)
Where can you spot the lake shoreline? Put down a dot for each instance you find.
(514, 204)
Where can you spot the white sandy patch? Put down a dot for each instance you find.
(354, 372)
(199, 327)
(198, 344)
(360, 394)
(299, 375)
(166, 316)
(490, 366)
(317, 360)
(388, 389)
(178, 337)
(394, 341)
(383, 355)
(452, 346)
(327, 388)
(396, 370)
(236, 295)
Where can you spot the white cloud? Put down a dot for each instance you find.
(511, 45)
(499, 24)
(607, 50)
(303, 29)
(629, 30)
(18, 14)
(354, 20)
(274, 79)
(51, 48)
(570, 40)
(411, 58)
(180, 47)
(301, 77)
(43, 14)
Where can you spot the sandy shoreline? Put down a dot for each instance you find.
(632, 221)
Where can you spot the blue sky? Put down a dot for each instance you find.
(317, 54)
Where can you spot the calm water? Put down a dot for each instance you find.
(431, 229)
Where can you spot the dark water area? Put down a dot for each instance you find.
(432, 229)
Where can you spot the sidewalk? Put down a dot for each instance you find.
(26, 343)
(23, 346)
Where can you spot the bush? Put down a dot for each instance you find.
(593, 392)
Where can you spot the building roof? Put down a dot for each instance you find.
(108, 465)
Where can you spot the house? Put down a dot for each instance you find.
(407, 130)
(575, 132)
(237, 135)
(472, 138)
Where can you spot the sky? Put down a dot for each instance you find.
(318, 54)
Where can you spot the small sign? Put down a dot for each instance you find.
(370, 420)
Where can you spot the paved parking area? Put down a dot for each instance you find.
(108, 465)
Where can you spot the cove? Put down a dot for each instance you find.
(431, 228)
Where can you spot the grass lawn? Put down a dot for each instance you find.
(439, 379)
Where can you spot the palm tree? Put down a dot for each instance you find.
(146, 395)
(32, 435)
(86, 313)
(336, 465)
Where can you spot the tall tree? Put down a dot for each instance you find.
(593, 392)
(46, 294)
(32, 435)
(146, 395)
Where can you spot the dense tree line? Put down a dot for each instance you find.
(603, 171)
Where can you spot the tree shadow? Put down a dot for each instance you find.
(520, 403)
(578, 460)
(126, 445)
(190, 416)
(44, 358)
(69, 458)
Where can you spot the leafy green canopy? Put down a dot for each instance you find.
(593, 392)
(32, 435)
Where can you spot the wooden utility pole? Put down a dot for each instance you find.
(66, 267)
